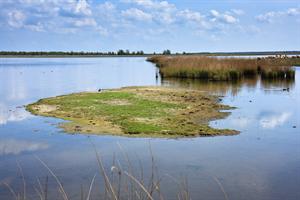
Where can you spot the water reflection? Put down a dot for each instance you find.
(251, 165)
(277, 83)
(268, 120)
(24, 79)
(274, 120)
(231, 88)
(12, 114)
(15, 147)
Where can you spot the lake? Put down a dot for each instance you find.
(262, 162)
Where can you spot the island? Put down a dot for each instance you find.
(137, 112)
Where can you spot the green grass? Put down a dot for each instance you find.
(150, 112)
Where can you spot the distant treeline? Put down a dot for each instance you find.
(139, 53)
(70, 53)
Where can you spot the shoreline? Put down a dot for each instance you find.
(157, 112)
(225, 54)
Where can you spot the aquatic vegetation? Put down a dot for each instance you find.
(137, 111)
(225, 69)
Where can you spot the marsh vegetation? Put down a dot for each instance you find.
(225, 69)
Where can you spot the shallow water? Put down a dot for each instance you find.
(262, 162)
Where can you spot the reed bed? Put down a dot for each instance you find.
(225, 69)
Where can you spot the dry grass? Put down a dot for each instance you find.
(225, 69)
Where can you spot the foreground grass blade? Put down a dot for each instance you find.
(91, 187)
(64, 194)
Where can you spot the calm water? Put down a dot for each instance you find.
(262, 162)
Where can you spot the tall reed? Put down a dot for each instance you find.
(225, 69)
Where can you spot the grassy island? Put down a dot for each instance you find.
(137, 111)
(226, 68)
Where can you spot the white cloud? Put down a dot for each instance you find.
(293, 11)
(191, 15)
(137, 14)
(167, 14)
(161, 11)
(215, 13)
(165, 18)
(229, 19)
(71, 16)
(54, 16)
(223, 17)
(16, 18)
(273, 16)
(35, 27)
(268, 17)
(150, 4)
(70, 8)
(83, 7)
(107, 6)
(145, 3)
(194, 17)
(108, 13)
(214, 21)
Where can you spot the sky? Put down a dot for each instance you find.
(150, 25)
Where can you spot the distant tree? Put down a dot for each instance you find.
(121, 52)
(167, 52)
(140, 52)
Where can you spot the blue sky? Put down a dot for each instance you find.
(150, 25)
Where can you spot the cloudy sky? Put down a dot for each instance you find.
(150, 25)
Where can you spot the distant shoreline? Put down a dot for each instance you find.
(70, 56)
(23, 54)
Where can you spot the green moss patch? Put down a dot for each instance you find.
(137, 111)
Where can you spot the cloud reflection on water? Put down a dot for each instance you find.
(275, 120)
(15, 147)
(11, 115)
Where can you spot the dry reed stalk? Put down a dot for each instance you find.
(61, 188)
